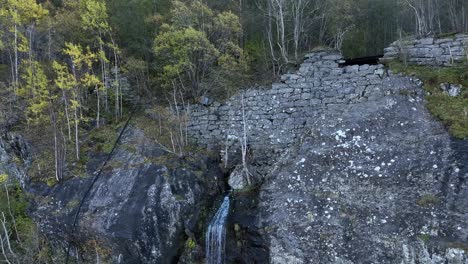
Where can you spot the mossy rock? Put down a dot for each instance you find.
(451, 111)
(424, 238)
(190, 244)
(73, 203)
(461, 246)
(428, 201)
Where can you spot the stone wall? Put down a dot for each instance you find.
(430, 51)
(278, 117)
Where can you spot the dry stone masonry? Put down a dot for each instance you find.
(278, 117)
(430, 51)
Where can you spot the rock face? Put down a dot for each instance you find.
(358, 170)
(142, 209)
(14, 157)
(374, 183)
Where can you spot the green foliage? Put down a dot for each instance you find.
(42, 167)
(134, 24)
(94, 15)
(64, 80)
(452, 111)
(103, 139)
(23, 11)
(200, 49)
(185, 51)
(3, 178)
(13, 204)
(190, 244)
(35, 90)
(425, 238)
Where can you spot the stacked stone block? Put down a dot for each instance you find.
(429, 51)
(278, 117)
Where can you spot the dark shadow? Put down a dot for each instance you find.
(372, 60)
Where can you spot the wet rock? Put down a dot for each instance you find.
(142, 209)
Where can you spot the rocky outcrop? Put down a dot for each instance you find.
(14, 157)
(361, 172)
(142, 209)
(377, 182)
(429, 51)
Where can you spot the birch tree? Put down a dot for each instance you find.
(17, 15)
(81, 64)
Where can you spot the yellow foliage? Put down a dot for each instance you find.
(3, 178)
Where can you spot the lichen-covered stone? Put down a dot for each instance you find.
(429, 51)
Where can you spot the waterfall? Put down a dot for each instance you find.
(216, 235)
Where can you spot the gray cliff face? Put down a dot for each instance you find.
(143, 208)
(378, 182)
(358, 171)
(14, 157)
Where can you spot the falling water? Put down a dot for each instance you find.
(216, 235)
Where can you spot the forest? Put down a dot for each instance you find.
(69, 68)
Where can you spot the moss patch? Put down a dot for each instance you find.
(103, 139)
(461, 246)
(425, 238)
(452, 111)
(446, 35)
(427, 200)
(190, 244)
(73, 203)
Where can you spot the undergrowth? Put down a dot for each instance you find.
(27, 245)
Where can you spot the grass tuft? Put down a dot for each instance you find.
(452, 111)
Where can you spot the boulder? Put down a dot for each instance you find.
(238, 179)
(453, 90)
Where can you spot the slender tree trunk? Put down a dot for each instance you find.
(12, 65)
(118, 112)
(98, 107)
(279, 8)
(104, 75)
(67, 115)
(270, 37)
(4, 242)
(77, 144)
(16, 80)
(298, 8)
(11, 213)
(56, 151)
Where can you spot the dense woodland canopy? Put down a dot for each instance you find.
(67, 65)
